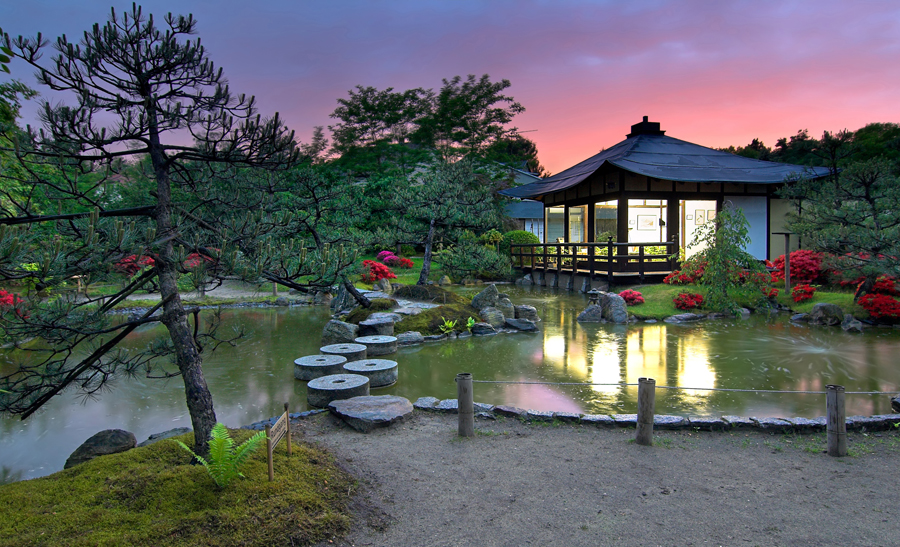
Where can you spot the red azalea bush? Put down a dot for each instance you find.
(690, 273)
(193, 260)
(802, 292)
(880, 306)
(376, 271)
(806, 266)
(769, 292)
(10, 301)
(132, 264)
(678, 278)
(632, 298)
(885, 285)
(687, 301)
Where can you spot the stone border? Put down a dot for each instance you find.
(882, 422)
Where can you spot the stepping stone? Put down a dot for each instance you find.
(321, 391)
(366, 413)
(378, 345)
(380, 372)
(353, 352)
(315, 366)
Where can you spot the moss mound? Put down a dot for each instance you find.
(429, 293)
(153, 496)
(430, 321)
(378, 304)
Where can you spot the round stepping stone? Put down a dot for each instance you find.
(378, 345)
(353, 352)
(315, 366)
(376, 327)
(380, 372)
(335, 387)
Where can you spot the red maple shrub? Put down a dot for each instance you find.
(132, 264)
(632, 298)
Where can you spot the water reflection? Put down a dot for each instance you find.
(251, 381)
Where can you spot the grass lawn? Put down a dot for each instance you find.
(658, 300)
(154, 496)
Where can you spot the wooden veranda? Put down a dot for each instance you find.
(611, 262)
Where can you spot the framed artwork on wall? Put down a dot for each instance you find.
(699, 216)
(710, 214)
(688, 217)
(646, 222)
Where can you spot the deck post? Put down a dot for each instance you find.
(465, 404)
(837, 422)
(646, 403)
(641, 262)
(609, 262)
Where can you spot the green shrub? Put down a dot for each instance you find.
(518, 237)
(407, 250)
(464, 261)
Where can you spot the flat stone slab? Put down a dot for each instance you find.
(315, 366)
(625, 420)
(156, 437)
(409, 311)
(393, 316)
(567, 417)
(663, 421)
(708, 423)
(371, 411)
(773, 424)
(539, 416)
(353, 352)
(321, 391)
(739, 422)
(381, 372)
(448, 405)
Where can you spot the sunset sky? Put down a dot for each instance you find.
(714, 73)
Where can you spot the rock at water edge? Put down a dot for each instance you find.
(493, 317)
(826, 314)
(156, 437)
(592, 314)
(339, 332)
(486, 298)
(108, 441)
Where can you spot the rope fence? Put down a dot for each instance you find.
(836, 419)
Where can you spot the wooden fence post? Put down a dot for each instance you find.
(269, 452)
(466, 404)
(837, 421)
(646, 402)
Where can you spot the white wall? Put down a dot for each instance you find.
(754, 209)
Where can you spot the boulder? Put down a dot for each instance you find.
(483, 329)
(521, 324)
(493, 316)
(800, 317)
(487, 298)
(324, 298)
(156, 437)
(850, 324)
(369, 412)
(376, 327)
(592, 314)
(526, 312)
(409, 338)
(343, 300)
(339, 332)
(526, 281)
(506, 307)
(614, 307)
(384, 285)
(282, 301)
(444, 281)
(826, 314)
(108, 441)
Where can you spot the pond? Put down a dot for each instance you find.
(252, 381)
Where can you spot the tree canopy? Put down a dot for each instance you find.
(140, 91)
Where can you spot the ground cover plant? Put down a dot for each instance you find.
(154, 496)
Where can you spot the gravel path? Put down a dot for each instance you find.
(519, 484)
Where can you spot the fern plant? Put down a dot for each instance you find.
(224, 457)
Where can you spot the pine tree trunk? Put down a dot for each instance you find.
(187, 356)
(426, 263)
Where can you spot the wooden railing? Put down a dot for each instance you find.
(597, 258)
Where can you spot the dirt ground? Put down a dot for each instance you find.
(558, 484)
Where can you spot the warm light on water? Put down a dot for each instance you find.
(252, 381)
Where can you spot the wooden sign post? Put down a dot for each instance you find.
(281, 429)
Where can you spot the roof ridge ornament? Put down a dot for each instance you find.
(645, 128)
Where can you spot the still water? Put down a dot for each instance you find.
(252, 381)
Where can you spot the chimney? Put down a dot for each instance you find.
(645, 128)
